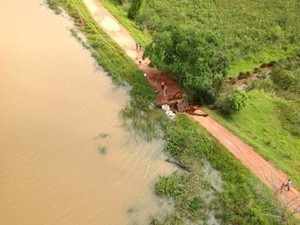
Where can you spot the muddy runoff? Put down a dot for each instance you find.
(65, 159)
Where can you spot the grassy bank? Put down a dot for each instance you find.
(218, 189)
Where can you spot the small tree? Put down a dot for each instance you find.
(193, 57)
(231, 99)
(134, 8)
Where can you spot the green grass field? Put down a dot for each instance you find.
(259, 125)
(252, 32)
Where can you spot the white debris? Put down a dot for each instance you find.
(165, 107)
(170, 114)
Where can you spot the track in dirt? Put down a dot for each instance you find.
(248, 157)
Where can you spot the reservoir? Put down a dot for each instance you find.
(65, 158)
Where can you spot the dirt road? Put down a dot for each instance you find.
(260, 167)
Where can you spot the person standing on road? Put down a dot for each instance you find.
(288, 184)
(162, 85)
(165, 90)
(136, 46)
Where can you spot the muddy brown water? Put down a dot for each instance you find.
(57, 112)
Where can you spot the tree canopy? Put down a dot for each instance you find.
(192, 57)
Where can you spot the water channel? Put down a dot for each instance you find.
(65, 159)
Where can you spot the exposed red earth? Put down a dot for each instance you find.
(264, 170)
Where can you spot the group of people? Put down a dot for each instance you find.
(138, 49)
(140, 59)
(288, 184)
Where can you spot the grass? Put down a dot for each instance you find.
(54, 5)
(259, 125)
(257, 59)
(213, 190)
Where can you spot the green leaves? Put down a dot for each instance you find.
(169, 186)
(192, 56)
(231, 100)
(249, 32)
(134, 8)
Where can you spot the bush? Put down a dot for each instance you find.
(168, 186)
(283, 79)
(231, 100)
(286, 78)
(289, 115)
(54, 5)
(134, 8)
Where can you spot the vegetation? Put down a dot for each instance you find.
(286, 78)
(230, 100)
(102, 150)
(193, 58)
(267, 123)
(286, 83)
(252, 32)
(248, 33)
(213, 191)
(216, 36)
(54, 5)
(134, 9)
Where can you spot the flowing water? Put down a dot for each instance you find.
(64, 157)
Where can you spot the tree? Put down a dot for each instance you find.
(192, 57)
(134, 8)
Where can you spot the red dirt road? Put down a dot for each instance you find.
(243, 152)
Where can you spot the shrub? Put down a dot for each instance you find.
(168, 186)
(54, 5)
(134, 8)
(289, 115)
(283, 79)
(231, 100)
